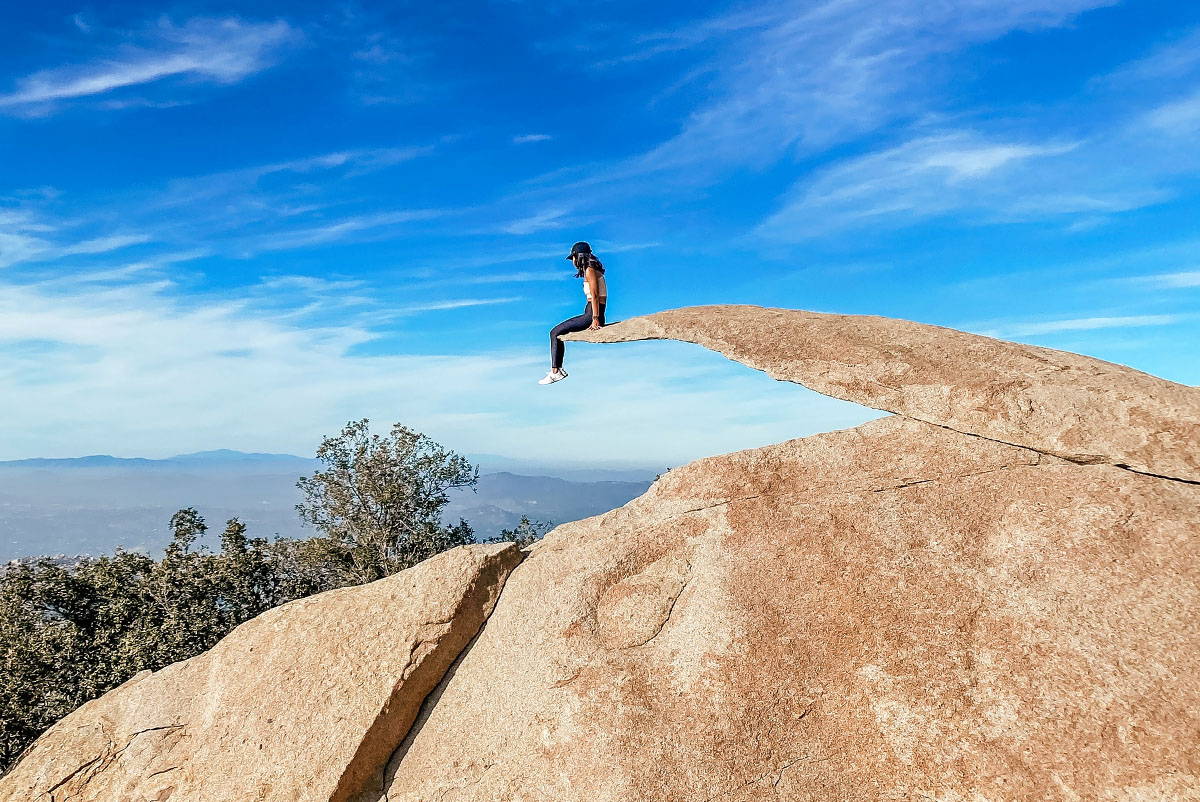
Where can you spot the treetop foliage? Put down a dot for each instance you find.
(378, 500)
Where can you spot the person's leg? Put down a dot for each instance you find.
(577, 323)
(600, 317)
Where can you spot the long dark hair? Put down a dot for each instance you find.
(589, 260)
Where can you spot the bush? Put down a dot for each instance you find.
(525, 532)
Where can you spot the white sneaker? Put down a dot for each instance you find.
(552, 377)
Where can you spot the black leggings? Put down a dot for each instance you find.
(567, 326)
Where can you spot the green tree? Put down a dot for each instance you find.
(524, 533)
(378, 500)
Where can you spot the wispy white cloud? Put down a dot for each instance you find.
(1096, 277)
(278, 205)
(511, 278)
(26, 238)
(21, 236)
(376, 225)
(220, 51)
(1177, 117)
(297, 298)
(969, 160)
(105, 244)
(1175, 59)
(790, 80)
(1131, 159)
(238, 191)
(359, 160)
(801, 74)
(355, 162)
(460, 303)
(1181, 280)
(309, 284)
(524, 139)
(544, 220)
(646, 45)
(487, 277)
(1080, 324)
(1158, 97)
(118, 274)
(922, 178)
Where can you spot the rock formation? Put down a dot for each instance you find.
(988, 596)
(1075, 407)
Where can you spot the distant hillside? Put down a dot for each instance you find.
(502, 499)
(93, 504)
(220, 460)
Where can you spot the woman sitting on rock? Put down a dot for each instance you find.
(589, 268)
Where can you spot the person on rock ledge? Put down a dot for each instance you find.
(590, 269)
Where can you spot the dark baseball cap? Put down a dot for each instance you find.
(579, 247)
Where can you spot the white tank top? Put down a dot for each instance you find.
(600, 285)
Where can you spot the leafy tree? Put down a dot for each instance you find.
(525, 532)
(378, 501)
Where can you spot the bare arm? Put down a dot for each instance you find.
(594, 287)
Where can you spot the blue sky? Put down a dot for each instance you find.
(240, 225)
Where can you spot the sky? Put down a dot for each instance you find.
(236, 225)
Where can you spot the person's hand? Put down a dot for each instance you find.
(595, 325)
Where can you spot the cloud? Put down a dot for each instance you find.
(25, 238)
(804, 75)
(925, 177)
(786, 81)
(781, 85)
(1173, 60)
(527, 138)
(356, 162)
(544, 220)
(274, 206)
(1163, 89)
(1180, 280)
(240, 181)
(18, 245)
(1132, 159)
(221, 51)
(105, 244)
(1179, 117)
(517, 277)
(462, 303)
(118, 274)
(511, 278)
(374, 226)
(1081, 324)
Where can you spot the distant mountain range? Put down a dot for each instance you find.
(92, 504)
(221, 459)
